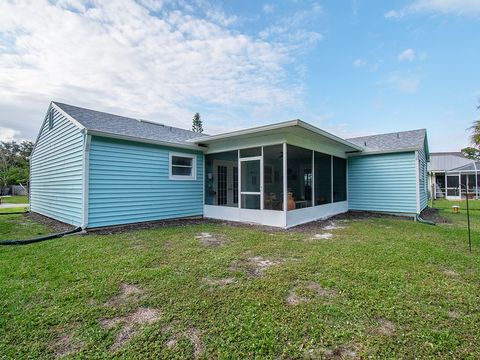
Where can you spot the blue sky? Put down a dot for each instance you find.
(350, 67)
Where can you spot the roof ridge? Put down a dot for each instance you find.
(120, 116)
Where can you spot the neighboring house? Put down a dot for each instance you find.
(94, 169)
(451, 174)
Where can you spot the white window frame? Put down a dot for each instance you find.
(193, 176)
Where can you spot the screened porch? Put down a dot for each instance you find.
(278, 185)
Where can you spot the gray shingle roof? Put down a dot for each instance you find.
(120, 125)
(404, 140)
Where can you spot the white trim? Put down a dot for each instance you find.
(253, 216)
(331, 179)
(69, 117)
(313, 178)
(313, 213)
(239, 166)
(417, 180)
(146, 141)
(395, 151)
(277, 126)
(86, 180)
(191, 177)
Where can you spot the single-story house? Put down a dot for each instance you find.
(93, 169)
(451, 175)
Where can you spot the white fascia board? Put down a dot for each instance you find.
(277, 126)
(69, 117)
(147, 141)
(381, 152)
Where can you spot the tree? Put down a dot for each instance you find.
(197, 125)
(14, 162)
(471, 153)
(475, 129)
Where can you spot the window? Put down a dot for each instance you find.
(182, 166)
(339, 179)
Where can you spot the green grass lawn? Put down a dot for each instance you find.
(14, 199)
(380, 287)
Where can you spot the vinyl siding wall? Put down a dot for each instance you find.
(129, 182)
(423, 180)
(384, 183)
(57, 171)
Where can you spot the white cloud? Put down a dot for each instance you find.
(292, 30)
(7, 134)
(129, 58)
(445, 7)
(358, 63)
(392, 14)
(268, 8)
(404, 82)
(407, 55)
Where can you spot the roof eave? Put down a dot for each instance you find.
(143, 140)
(392, 151)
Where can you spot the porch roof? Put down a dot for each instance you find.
(296, 126)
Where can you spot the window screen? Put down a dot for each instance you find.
(182, 167)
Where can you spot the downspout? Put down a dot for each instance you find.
(85, 191)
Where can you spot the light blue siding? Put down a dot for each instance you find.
(129, 182)
(384, 182)
(423, 182)
(56, 177)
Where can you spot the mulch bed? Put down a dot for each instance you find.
(308, 227)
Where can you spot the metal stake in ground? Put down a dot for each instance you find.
(468, 222)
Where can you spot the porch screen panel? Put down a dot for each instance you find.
(221, 179)
(299, 177)
(323, 178)
(273, 177)
(339, 179)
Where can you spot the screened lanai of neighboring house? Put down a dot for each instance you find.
(281, 175)
(460, 182)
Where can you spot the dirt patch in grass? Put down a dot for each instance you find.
(65, 344)
(220, 282)
(305, 292)
(451, 273)
(131, 324)
(343, 352)
(385, 327)
(453, 314)
(253, 266)
(55, 225)
(192, 335)
(333, 226)
(128, 293)
(208, 239)
(324, 236)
